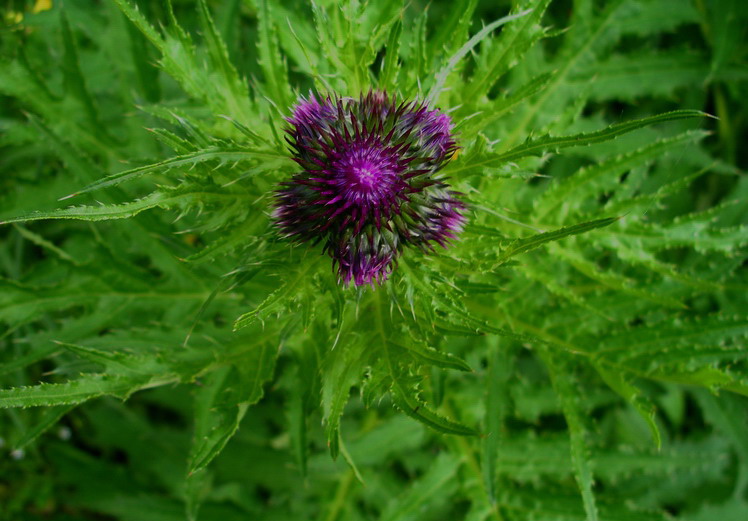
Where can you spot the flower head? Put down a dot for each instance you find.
(368, 184)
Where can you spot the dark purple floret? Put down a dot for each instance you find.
(363, 261)
(368, 184)
(308, 112)
(444, 221)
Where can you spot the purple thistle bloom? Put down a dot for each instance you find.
(368, 185)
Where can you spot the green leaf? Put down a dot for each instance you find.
(613, 279)
(96, 213)
(271, 61)
(284, 294)
(222, 402)
(219, 154)
(633, 75)
(510, 47)
(403, 389)
(49, 418)
(217, 84)
(342, 369)
(535, 146)
(498, 373)
(442, 75)
(570, 399)
(520, 246)
(407, 400)
(74, 80)
(710, 329)
(76, 391)
(432, 356)
(701, 235)
(588, 181)
(499, 108)
(726, 413)
(391, 62)
(632, 395)
(119, 362)
(432, 488)
(232, 88)
(453, 29)
(304, 392)
(126, 210)
(43, 243)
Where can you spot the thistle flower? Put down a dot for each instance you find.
(369, 184)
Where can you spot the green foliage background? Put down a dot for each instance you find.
(579, 354)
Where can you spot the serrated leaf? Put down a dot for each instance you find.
(631, 76)
(287, 291)
(433, 487)
(223, 401)
(520, 246)
(537, 146)
(432, 356)
(613, 279)
(593, 179)
(408, 403)
(75, 391)
(512, 44)
(391, 62)
(95, 213)
(219, 154)
(342, 369)
(406, 399)
(271, 61)
(447, 69)
(232, 88)
(712, 329)
(49, 418)
(727, 414)
(75, 83)
(216, 85)
(125, 210)
(702, 236)
(453, 29)
(501, 106)
(498, 373)
(118, 362)
(633, 396)
(570, 398)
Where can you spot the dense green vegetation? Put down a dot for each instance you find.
(580, 352)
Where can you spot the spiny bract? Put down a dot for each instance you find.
(369, 184)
